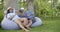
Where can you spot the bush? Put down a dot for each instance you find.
(58, 6)
(1, 6)
(1, 15)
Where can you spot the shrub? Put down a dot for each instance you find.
(1, 15)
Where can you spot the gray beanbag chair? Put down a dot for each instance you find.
(11, 25)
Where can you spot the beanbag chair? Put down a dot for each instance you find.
(11, 25)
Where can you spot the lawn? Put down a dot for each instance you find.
(50, 24)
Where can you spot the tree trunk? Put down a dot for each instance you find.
(11, 3)
(30, 4)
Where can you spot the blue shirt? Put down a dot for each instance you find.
(22, 16)
(29, 14)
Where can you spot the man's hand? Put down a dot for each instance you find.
(29, 24)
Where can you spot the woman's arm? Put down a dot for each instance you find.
(5, 12)
(14, 11)
(10, 16)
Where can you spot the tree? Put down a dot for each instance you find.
(11, 3)
(30, 4)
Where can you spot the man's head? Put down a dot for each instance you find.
(21, 10)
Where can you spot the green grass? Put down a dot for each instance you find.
(49, 25)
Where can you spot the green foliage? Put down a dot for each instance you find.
(23, 4)
(1, 15)
(58, 6)
(1, 12)
(44, 7)
(1, 6)
(2, 0)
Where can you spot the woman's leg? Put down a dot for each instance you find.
(25, 21)
(21, 25)
(29, 24)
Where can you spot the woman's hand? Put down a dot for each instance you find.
(27, 27)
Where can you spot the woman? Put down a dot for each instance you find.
(9, 10)
(19, 19)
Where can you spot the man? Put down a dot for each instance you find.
(28, 15)
(31, 18)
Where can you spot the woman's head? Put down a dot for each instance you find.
(9, 10)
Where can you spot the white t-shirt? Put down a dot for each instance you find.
(13, 18)
(5, 12)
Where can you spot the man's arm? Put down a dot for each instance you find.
(30, 23)
(31, 16)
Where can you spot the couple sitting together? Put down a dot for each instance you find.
(24, 19)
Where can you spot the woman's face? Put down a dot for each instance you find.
(11, 10)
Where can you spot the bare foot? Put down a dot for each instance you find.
(27, 31)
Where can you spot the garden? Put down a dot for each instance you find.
(47, 10)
